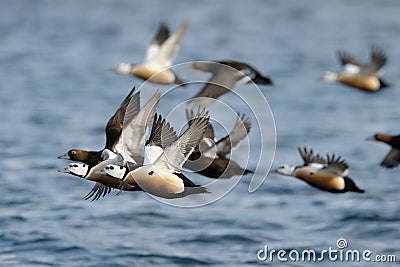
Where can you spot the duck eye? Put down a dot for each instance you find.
(73, 152)
(111, 167)
(75, 165)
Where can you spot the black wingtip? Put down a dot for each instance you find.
(162, 33)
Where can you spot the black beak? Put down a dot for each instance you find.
(65, 156)
(371, 138)
(65, 170)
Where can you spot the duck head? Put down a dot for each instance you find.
(77, 169)
(115, 171)
(123, 68)
(285, 170)
(329, 77)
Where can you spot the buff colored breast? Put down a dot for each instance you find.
(368, 83)
(160, 76)
(321, 179)
(156, 183)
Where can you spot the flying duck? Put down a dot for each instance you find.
(392, 159)
(159, 57)
(328, 174)
(107, 183)
(363, 77)
(210, 157)
(161, 134)
(225, 78)
(162, 176)
(125, 133)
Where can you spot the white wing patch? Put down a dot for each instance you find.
(151, 154)
(163, 56)
(351, 69)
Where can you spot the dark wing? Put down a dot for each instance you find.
(223, 80)
(209, 133)
(346, 59)
(162, 34)
(249, 71)
(219, 84)
(115, 123)
(239, 131)
(378, 60)
(98, 191)
(162, 133)
(135, 129)
(175, 155)
(337, 165)
(309, 157)
(235, 64)
(392, 159)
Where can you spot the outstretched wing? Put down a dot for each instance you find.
(154, 47)
(168, 50)
(219, 84)
(209, 133)
(378, 60)
(337, 165)
(392, 159)
(177, 153)
(98, 191)
(232, 140)
(162, 135)
(134, 130)
(349, 64)
(310, 159)
(114, 125)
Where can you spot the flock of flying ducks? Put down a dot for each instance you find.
(130, 162)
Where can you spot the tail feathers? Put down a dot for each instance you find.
(246, 171)
(179, 81)
(189, 191)
(384, 84)
(264, 80)
(351, 186)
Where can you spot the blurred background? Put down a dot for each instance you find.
(56, 93)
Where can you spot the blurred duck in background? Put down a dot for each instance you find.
(328, 174)
(226, 75)
(160, 55)
(392, 159)
(364, 77)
